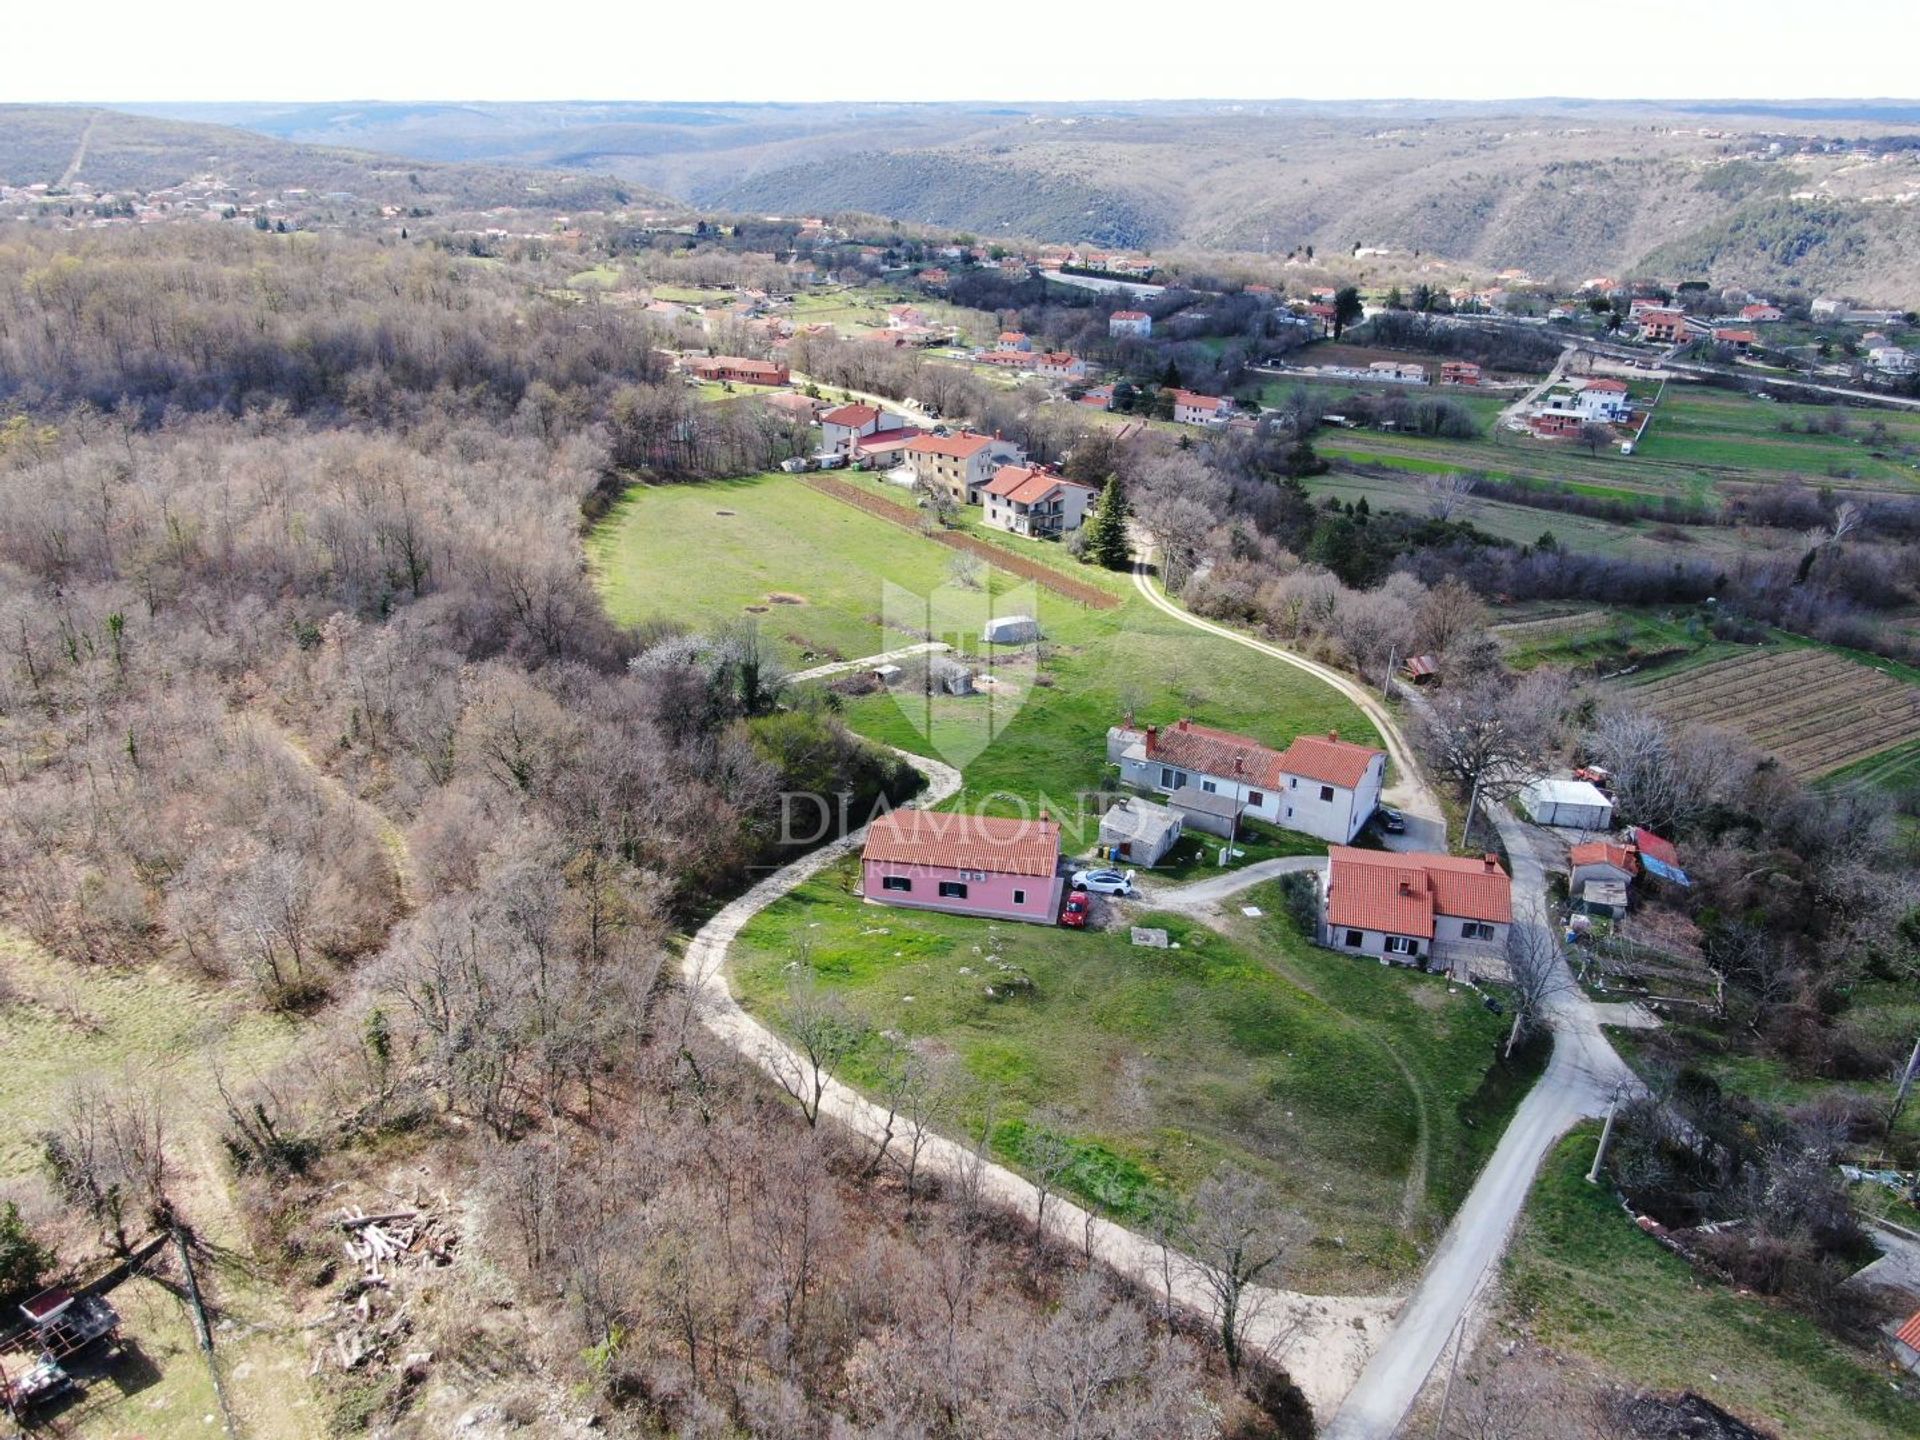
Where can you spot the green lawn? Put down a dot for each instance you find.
(1720, 430)
(1368, 1095)
(1588, 1284)
(859, 585)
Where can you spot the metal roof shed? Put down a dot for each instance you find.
(1576, 804)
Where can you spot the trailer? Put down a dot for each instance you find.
(61, 1326)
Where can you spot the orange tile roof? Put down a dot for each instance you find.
(854, 415)
(1025, 484)
(1194, 401)
(1214, 752)
(958, 447)
(964, 842)
(1401, 893)
(1329, 760)
(1604, 852)
(1129, 315)
(1615, 387)
(1909, 1333)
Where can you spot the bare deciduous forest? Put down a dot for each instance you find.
(306, 692)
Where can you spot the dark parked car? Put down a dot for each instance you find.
(1392, 822)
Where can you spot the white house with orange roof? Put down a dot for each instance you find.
(1434, 911)
(1332, 786)
(1192, 409)
(841, 429)
(1014, 340)
(1032, 500)
(1320, 785)
(1130, 324)
(961, 464)
(1060, 365)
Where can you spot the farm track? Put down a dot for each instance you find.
(1812, 710)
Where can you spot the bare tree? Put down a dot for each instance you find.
(1484, 742)
(1239, 1237)
(107, 1152)
(1663, 777)
(1046, 1154)
(1536, 973)
(1448, 491)
(823, 1033)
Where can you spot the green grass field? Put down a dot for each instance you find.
(147, 1028)
(1717, 430)
(723, 551)
(1368, 1095)
(1587, 1283)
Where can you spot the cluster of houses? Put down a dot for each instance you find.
(1429, 910)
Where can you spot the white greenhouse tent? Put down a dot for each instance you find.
(1576, 804)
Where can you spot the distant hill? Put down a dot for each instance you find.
(112, 150)
(1560, 188)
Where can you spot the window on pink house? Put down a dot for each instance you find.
(952, 890)
(896, 882)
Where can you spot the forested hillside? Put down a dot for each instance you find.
(110, 150)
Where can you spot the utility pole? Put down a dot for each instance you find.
(1386, 680)
(1906, 1083)
(1473, 808)
(1606, 1138)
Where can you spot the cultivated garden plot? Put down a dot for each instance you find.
(1811, 709)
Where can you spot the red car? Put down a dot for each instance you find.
(1074, 917)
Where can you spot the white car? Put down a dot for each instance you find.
(1104, 882)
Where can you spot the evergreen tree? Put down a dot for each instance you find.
(1107, 530)
(1170, 377)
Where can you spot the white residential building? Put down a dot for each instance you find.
(1132, 324)
(1030, 500)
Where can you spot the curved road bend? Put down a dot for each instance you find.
(1409, 792)
(1323, 1340)
(1582, 1077)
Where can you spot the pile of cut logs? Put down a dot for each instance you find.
(377, 1243)
(379, 1246)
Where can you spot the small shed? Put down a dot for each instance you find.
(1206, 811)
(949, 676)
(1604, 897)
(1575, 804)
(1600, 860)
(1139, 831)
(1421, 670)
(885, 674)
(1010, 630)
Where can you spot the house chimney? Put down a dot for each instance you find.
(1334, 736)
(1239, 764)
(1185, 722)
(1493, 862)
(1045, 816)
(1406, 882)
(1153, 734)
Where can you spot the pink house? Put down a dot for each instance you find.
(964, 864)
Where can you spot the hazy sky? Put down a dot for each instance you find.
(760, 50)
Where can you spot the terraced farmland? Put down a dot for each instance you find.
(1811, 709)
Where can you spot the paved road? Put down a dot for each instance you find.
(1581, 1079)
(1206, 894)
